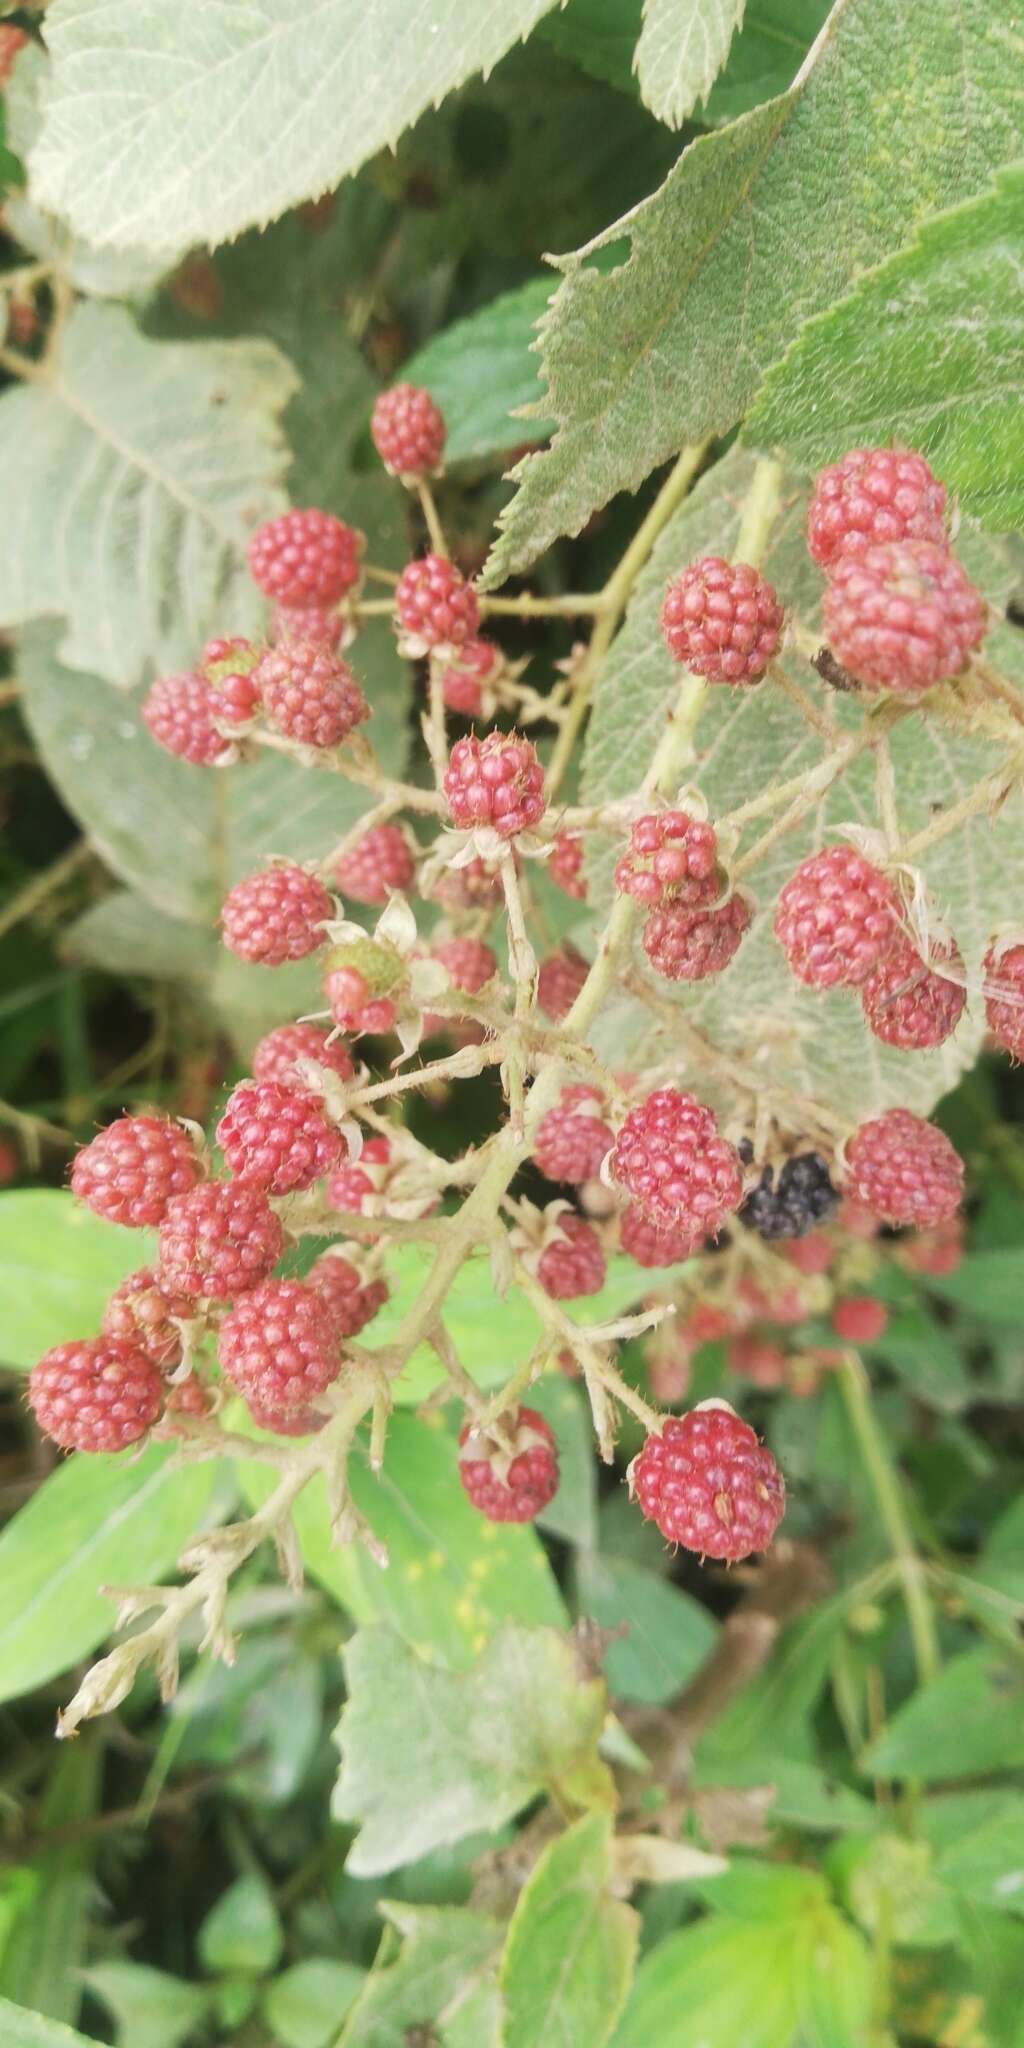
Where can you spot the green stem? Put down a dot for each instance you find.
(855, 1388)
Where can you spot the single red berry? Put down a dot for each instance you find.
(309, 695)
(510, 1488)
(566, 865)
(573, 1138)
(469, 963)
(280, 1346)
(189, 1397)
(382, 860)
(671, 858)
(363, 981)
(857, 1221)
(349, 1187)
(475, 886)
(276, 1056)
(904, 1170)
(496, 781)
(811, 1255)
(144, 1316)
(707, 1324)
(836, 917)
(909, 1003)
(275, 916)
(305, 558)
(408, 432)
(874, 494)
(903, 615)
(227, 668)
(285, 1421)
(435, 607)
(218, 1241)
(786, 1305)
(179, 713)
(690, 945)
(560, 980)
(1003, 970)
(756, 1360)
(860, 1319)
(129, 1172)
(723, 620)
(936, 1251)
(670, 1158)
(307, 622)
(709, 1484)
(277, 1138)
(464, 684)
(650, 1247)
(98, 1395)
(574, 1262)
(353, 1301)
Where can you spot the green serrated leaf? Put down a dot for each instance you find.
(683, 46)
(305, 2005)
(665, 1633)
(481, 373)
(58, 1264)
(765, 56)
(444, 1951)
(757, 227)
(965, 1723)
(599, 36)
(571, 1946)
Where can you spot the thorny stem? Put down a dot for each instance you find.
(855, 1388)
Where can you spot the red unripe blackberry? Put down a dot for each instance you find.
(309, 695)
(936, 1251)
(510, 1489)
(218, 1241)
(362, 982)
(689, 945)
(353, 1301)
(787, 1306)
(573, 1138)
(98, 1395)
(280, 1346)
(903, 615)
(811, 1255)
(860, 1319)
(566, 865)
(723, 620)
(469, 963)
(305, 558)
(227, 668)
(189, 1397)
(141, 1314)
(277, 1138)
(1004, 997)
(763, 1364)
(874, 494)
(709, 1484)
(129, 1172)
(671, 1160)
(380, 861)
(307, 622)
(650, 1247)
(574, 1262)
(435, 607)
(908, 1003)
(496, 781)
(559, 981)
(179, 713)
(464, 682)
(836, 917)
(276, 1055)
(477, 886)
(348, 1188)
(285, 1421)
(904, 1170)
(275, 916)
(408, 432)
(671, 857)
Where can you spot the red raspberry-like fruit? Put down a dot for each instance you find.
(811, 1255)
(189, 1397)
(566, 865)
(141, 1314)
(723, 620)
(380, 861)
(650, 1247)
(671, 858)
(904, 1170)
(348, 1188)
(291, 623)
(903, 615)
(709, 1484)
(309, 695)
(574, 1262)
(690, 945)
(277, 1138)
(1004, 997)
(275, 916)
(218, 1241)
(227, 667)
(280, 1346)
(670, 1158)
(573, 1138)
(910, 1004)
(285, 1421)
(510, 1489)
(179, 712)
(305, 558)
(560, 980)
(763, 1364)
(408, 432)
(477, 886)
(872, 495)
(860, 1319)
(465, 680)
(435, 607)
(496, 781)
(99, 1395)
(276, 1056)
(469, 963)
(130, 1171)
(936, 1251)
(363, 980)
(835, 918)
(353, 1301)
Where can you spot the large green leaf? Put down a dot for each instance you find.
(481, 373)
(683, 46)
(46, 1946)
(21, 2029)
(895, 360)
(569, 1956)
(58, 1264)
(443, 1951)
(430, 1756)
(766, 53)
(965, 1723)
(902, 111)
(665, 1634)
(295, 101)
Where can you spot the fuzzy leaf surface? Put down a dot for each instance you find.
(444, 1950)
(683, 46)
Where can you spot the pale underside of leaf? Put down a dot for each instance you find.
(682, 48)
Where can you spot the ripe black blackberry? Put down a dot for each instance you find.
(803, 1198)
